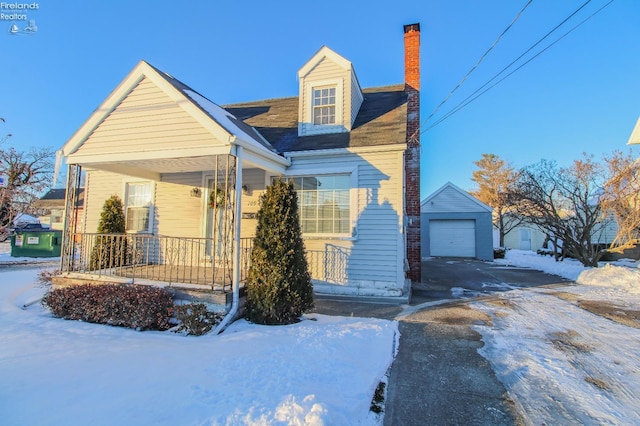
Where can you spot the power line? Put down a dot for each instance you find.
(522, 55)
(471, 97)
(477, 63)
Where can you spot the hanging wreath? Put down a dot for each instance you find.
(217, 198)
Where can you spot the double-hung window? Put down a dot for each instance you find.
(138, 206)
(324, 203)
(324, 105)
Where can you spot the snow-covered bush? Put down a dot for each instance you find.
(195, 319)
(133, 306)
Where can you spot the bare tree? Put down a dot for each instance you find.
(621, 195)
(495, 178)
(28, 174)
(565, 203)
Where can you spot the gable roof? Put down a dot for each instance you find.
(382, 120)
(268, 127)
(426, 204)
(225, 119)
(55, 198)
(322, 53)
(223, 130)
(635, 134)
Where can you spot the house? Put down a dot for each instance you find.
(53, 206)
(528, 236)
(190, 174)
(522, 237)
(456, 224)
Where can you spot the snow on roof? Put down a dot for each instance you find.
(229, 121)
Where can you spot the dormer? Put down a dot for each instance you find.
(330, 95)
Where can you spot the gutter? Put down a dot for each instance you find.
(235, 303)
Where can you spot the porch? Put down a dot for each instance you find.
(189, 263)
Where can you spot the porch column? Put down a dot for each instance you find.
(69, 225)
(237, 229)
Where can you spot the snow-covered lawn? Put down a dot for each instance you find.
(323, 370)
(561, 363)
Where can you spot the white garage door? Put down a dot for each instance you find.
(455, 238)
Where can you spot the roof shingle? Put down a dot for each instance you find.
(382, 120)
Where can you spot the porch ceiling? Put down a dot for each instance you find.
(152, 168)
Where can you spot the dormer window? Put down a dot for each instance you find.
(324, 105)
(330, 95)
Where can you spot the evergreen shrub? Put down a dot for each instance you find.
(109, 252)
(278, 288)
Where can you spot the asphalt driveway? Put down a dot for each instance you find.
(456, 278)
(438, 377)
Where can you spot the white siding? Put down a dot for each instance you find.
(376, 252)
(451, 200)
(146, 119)
(177, 213)
(606, 231)
(325, 69)
(99, 187)
(512, 239)
(356, 99)
(348, 96)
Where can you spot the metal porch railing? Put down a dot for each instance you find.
(157, 258)
(182, 260)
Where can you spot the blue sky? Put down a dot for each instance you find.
(581, 95)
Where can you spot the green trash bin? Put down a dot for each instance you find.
(36, 243)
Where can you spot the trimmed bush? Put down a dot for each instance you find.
(133, 306)
(278, 287)
(195, 319)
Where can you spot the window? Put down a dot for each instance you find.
(324, 203)
(324, 105)
(138, 210)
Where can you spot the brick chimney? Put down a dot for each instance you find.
(412, 154)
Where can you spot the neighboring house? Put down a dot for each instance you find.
(456, 224)
(53, 205)
(527, 236)
(190, 174)
(522, 237)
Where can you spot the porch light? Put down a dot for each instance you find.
(245, 189)
(195, 192)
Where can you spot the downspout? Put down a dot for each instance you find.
(235, 303)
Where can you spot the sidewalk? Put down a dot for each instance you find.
(438, 377)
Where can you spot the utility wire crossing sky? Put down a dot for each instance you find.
(572, 88)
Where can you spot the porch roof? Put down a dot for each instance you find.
(152, 124)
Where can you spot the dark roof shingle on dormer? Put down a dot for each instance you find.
(382, 120)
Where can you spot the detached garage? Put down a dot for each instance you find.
(455, 224)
